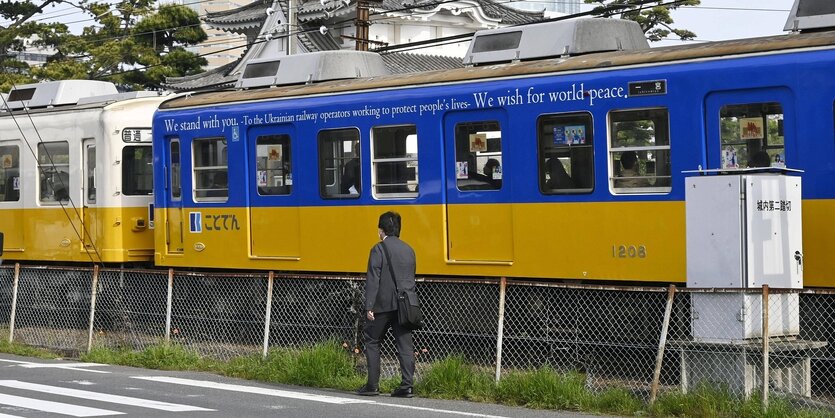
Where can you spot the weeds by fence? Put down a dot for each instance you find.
(651, 342)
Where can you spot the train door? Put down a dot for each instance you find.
(88, 188)
(745, 128)
(11, 202)
(479, 216)
(273, 202)
(173, 199)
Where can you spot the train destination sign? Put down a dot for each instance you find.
(648, 88)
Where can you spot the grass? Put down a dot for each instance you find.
(547, 389)
(453, 378)
(26, 351)
(160, 357)
(706, 401)
(330, 365)
(325, 365)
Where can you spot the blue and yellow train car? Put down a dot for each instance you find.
(563, 167)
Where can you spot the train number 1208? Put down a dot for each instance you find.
(629, 251)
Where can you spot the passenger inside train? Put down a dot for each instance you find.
(760, 159)
(629, 176)
(220, 185)
(351, 173)
(558, 178)
(493, 172)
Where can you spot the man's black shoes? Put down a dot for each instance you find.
(402, 393)
(368, 391)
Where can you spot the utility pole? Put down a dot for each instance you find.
(291, 25)
(362, 25)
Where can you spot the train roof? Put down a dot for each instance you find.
(87, 103)
(599, 61)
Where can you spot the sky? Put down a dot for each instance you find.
(713, 20)
(717, 20)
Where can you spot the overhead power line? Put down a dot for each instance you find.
(342, 24)
(604, 12)
(413, 45)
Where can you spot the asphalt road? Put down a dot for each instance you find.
(52, 388)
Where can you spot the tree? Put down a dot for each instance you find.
(654, 18)
(12, 37)
(128, 43)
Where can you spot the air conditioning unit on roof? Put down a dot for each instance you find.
(555, 39)
(56, 93)
(311, 67)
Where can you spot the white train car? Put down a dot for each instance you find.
(76, 173)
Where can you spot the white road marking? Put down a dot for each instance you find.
(442, 411)
(48, 365)
(68, 366)
(101, 397)
(82, 382)
(54, 407)
(9, 416)
(253, 389)
(14, 361)
(300, 395)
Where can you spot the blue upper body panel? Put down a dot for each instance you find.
(801, 82)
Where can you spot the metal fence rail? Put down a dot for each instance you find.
(648, 340)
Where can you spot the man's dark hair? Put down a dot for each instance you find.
(628, 159)
(390, 224)
(760, 159)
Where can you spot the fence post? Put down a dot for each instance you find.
(92, 308)
(168, 306)
(662, 344)
(14, 302)
(500, 339)
(766, 348)
(268, 314)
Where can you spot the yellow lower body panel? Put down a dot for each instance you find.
(623, 241)
(605, 241)
(108, 235)
(818, 243)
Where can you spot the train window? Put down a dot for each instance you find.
(54, 170)
(174, 171)
(211, 170)
(752, 135)
(566, 153)
(90, 177)
(639, 151)
(478, 155)
(137, 170)
(272, 165)
(395, 163)
(339, 163)
(10, 173)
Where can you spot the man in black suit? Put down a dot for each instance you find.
(381, 305)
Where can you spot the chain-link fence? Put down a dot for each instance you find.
(7, 275)
(53, 307)
(611, 335)
(650, 341)
(131, 308)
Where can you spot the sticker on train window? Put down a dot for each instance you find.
(195, 222)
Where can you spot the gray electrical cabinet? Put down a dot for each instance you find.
(743, 231)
